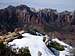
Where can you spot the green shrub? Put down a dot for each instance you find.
(24, 52)
(32, 31)
(56, 45)
(2, 46)
(6, 51)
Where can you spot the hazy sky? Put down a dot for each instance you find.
(60, 5)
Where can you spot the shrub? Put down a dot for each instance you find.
(24, 52)
(2, 46)
(32, 31)
(6, 51)
(56, 45)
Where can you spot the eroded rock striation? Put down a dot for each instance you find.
(46, 20)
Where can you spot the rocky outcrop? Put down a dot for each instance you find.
(23, 16)
(10, 37)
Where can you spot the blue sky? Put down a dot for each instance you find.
(60, 5)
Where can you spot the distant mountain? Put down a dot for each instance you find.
(43, 20)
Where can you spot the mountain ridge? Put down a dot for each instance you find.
(45, 20)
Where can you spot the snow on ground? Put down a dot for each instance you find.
(67, 47)
(36, 44)
(61, 43)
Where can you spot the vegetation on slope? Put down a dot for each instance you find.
(6, 51)
(56, 45)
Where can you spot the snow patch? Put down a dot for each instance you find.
(36, 44)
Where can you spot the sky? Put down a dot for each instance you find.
(60, 5)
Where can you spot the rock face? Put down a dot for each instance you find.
(23, 16)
